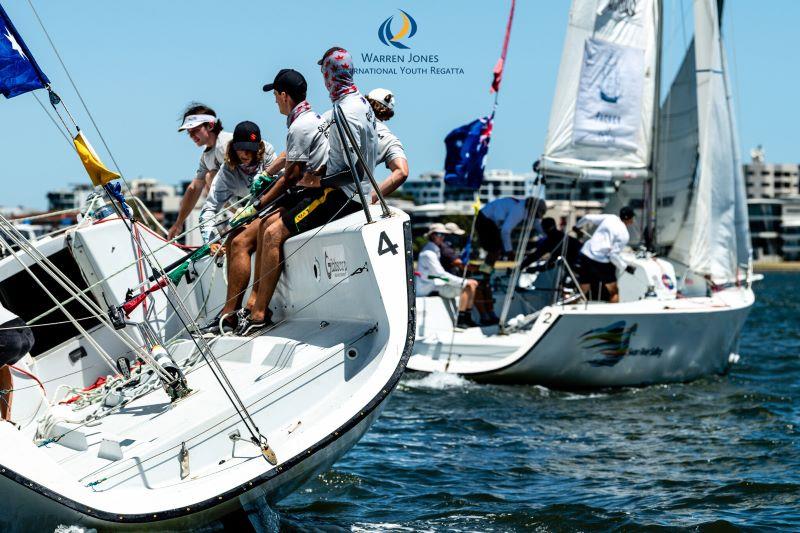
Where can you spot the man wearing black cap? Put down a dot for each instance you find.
(324, 204)
(600, 255)
(306, 156)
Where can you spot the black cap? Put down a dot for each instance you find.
(289, 81)
(626, 213)
(246, 136)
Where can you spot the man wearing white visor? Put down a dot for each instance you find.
(205, 129)
(390, 149)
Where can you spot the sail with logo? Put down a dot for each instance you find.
(601, 120)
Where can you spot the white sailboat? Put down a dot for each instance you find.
(680, 315)
(129, 452)
(124, 415)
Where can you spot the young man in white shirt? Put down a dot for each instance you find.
(390, 149)
(433, 278)
(205, 129)
(600, 255)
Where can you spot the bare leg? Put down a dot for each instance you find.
(613, 291)
(274, 236)
(6, 383)
(587, 290)
(467, 299)
(251, 300)
(239, 250)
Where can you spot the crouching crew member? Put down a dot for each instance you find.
(600, 255)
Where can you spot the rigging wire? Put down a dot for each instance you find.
(46, 112)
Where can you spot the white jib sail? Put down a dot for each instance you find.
(602, 113)
(710, 239)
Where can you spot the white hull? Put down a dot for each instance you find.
(654, 341)
(313, 385)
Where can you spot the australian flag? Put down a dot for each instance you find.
(19, 72)
(466, 153)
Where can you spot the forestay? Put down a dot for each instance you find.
(602, 114)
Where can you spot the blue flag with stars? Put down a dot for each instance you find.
(466, 153)
(19, 72)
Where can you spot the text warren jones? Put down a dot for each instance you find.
(406, 64)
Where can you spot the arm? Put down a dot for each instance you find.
(217, 196)
(189, 200)
(590, 219)
(399, 168)
(277, 165)
(511, 221)
(294, 171)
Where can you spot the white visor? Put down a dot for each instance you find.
(192, 121)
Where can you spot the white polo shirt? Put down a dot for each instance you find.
(607, 241)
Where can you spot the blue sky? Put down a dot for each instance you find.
(137, 64)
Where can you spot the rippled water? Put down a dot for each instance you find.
(448, 454)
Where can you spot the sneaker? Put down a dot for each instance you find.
(248, 327)
(213, 328)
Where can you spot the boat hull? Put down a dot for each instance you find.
(600, 345)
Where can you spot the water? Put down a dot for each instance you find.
(716, 454)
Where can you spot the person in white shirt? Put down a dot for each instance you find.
(600, 257)
(16, 339)
(497, 220)
(205, 129)
(390, 149)
(434, 279)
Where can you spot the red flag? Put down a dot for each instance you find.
(498, 68)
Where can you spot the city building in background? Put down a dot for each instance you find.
(773, 205)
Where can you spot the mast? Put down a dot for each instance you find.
(651, 236)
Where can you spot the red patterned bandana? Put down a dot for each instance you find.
(337, 69)
(299, 109)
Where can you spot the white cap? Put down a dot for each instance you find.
(382, 96)
(192, 121)
(438, 227)
(454, 228)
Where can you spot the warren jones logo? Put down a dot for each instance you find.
(403, 64)
(407, 31)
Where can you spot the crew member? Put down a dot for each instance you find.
(390, 149)
(434, 279)
(326, 203)
(306, 159)
(552, 245)
(498, 219)
(16, 339)
(600, 255)
(246, 157)
(205, 129)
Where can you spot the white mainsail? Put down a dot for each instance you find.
(714, 239)
(602, 114)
